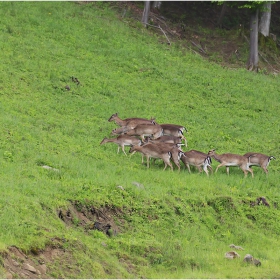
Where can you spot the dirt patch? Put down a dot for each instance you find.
(38, 263)
(32, 266)
(104, 219)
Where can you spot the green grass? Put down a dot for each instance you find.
(179, 225)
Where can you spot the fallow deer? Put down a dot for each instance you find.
(232, 160)
(151, 150)
(174, 149)
(169, 139)
(122, 141)
(175, 130)
(143, 130)
(198, 159)
(130, 122)
(259, 159)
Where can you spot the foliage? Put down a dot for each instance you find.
(177, 225)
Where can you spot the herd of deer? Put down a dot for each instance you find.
(164, 141)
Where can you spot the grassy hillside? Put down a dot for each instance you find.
(164, 224)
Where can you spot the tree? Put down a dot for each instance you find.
(157, 4)
(253, 60)
(265, 16)
(254, 7)
(146, 11)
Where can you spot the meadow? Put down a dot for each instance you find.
(170, 224)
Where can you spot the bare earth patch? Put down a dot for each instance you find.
(37, 264)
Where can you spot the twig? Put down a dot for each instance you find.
(162, 21)
(268, 62)
(193, 50)
(201, 49)
(161, 30)
(164, 35)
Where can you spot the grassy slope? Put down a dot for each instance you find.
(179, 225)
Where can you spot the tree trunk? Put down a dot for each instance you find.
(265, 16)
(222, 14)
(157, 4)
(253, 55)
(146, 12)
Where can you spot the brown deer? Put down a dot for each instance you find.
(232, 160)
(175, 130)
(143, 130)
(174, 149)
(130, 122)
(259, 159)
(122, 141)
(152, 150)
(198, 159)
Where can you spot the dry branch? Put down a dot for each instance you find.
(161, 31)
(200, 48)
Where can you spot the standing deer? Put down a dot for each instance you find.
(232, 160)
(151, 150)
(122, 141)
(260, 160)
(198, 159)
(174, 149)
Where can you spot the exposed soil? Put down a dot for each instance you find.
(37, 264)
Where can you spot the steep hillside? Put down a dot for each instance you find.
(72, 208)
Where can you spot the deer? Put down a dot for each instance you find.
(122, 141)
(151, 150)
(167, 125)
(175, 130)
(232, 160)
(174, 149)
(169, 139)
(198, 159)
(143, 130)
(130, 122)
(258, 159)
(119, 130)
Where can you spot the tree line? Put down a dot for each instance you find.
(260, 18)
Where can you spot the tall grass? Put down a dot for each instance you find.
(178, 225)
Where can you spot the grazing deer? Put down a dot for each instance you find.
(152, 150)
(121, 141)
(260, 160)
(143, 130)
(232, 160)
(130, 122)
(198, 159)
